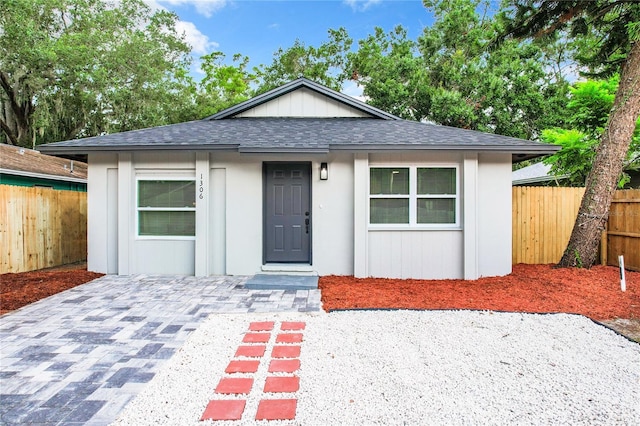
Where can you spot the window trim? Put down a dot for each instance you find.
(162, 209)
(413, 197)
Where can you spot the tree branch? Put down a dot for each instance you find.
(18, 111)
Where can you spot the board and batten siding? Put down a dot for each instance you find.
(302, 103)
(481, 246)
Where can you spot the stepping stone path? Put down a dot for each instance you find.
(239, 382)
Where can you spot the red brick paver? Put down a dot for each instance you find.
(277, 409)
(289, 326)
(284, 365)
(242, 367)
(289, 338)
(282, 384)
(256, 351)
(224, 410)
(234, 385)
(285, 352)
(261, 326)
(256, 337)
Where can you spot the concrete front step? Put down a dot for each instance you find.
(282, 282)
(288, 269)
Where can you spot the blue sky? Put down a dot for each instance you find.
(258, 28)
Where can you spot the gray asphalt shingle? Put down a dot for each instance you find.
(299, 134)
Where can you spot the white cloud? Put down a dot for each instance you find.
(353, 89)
(204, 7)
(361, 5)
(198, 41)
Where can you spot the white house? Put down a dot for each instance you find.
(301, 178)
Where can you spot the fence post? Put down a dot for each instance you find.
(603, 247)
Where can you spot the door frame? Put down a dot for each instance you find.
(308, 166)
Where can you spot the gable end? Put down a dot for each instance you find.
(319, 101)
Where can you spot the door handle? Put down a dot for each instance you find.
(306, 224)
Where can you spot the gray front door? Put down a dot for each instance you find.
(287, 219)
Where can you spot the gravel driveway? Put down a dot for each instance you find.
(414, 367)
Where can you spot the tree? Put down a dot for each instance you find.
(588, 107)
(616, 23)
(223, 85)
(71, 68)
(476, 84)
(391, 72)
(322, 64)
(455, 75)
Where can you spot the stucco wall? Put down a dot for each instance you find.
(228, 220)
(494, 215)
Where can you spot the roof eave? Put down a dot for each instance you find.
(63, 150)
(513, 149)
(43, 176)
(285, 150)
(538, 179)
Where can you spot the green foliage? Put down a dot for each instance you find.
(321, 64)
(576, 156)
(72, 68)
(223, 85)
(591, 102)
(389, 69)
(589, 107)
(503, 89)
(604, 28)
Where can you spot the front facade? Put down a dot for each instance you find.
(301, 179)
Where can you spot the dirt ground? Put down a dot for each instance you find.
(594, 293)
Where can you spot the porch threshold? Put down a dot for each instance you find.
(282, 282)
(288, 269)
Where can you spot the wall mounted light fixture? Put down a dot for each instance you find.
(324, 171)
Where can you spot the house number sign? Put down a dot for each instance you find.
(201, 188)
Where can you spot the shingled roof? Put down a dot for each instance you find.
(15, 160)
(380, 132)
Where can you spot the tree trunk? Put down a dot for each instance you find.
(602, 180)
(15, 116)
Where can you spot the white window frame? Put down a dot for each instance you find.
(413, 197)
(162, 209)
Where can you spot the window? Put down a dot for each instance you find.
(166, 208)
(413, 196)
(389, 189)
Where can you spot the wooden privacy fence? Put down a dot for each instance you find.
(543, 219)
(41, 227)
(622, 236)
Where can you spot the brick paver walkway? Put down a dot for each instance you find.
(80, 356)
(273, 405)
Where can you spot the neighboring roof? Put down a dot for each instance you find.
(381, 132)
(19, 161)
(295, 85)
(535, 173)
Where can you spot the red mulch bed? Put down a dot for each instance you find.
(18, 290)
(593, 292)
(530, 288)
